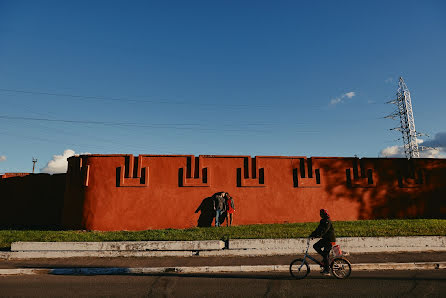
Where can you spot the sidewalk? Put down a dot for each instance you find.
(235, 255)
(132, 265)
(213, 261)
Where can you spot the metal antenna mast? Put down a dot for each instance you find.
(407, 122)
(34, 163)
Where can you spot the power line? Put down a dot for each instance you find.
(88, 121)
(122, 99)
(187, 126)
(192, 126)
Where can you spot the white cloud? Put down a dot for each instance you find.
(432, 153)
(392, 151)
(335, 101)
(439, 143)
(58, 164)
(340, 99)
(2, 158)
(389, 80)
(349, 94)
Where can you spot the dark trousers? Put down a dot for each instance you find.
(326, 245)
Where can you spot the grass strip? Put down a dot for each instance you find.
(359, 228)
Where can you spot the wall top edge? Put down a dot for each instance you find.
(205, 155)
(258, 156)
(20, 175)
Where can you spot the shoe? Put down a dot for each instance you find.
(325, 272)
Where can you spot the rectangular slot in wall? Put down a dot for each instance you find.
(318, 176)
(302, 168)
(310, 167)
(197, 168)
(348, 177)
(370, 176)
(135, 167)
(261, 176)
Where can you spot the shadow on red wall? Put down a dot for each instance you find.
(406, 189)
(207, 213)
(34, 201)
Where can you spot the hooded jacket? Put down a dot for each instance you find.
(325, 230)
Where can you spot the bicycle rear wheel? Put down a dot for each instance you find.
(341, 268)
(299, 269)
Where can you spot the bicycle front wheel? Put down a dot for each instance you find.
(341, 268)
(299, 269)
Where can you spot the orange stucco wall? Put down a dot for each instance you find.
(125, 192)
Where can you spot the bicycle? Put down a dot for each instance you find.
(339, 266)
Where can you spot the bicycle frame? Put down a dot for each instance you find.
(339, 266)
(309, 257)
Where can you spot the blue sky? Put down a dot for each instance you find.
(215, 77)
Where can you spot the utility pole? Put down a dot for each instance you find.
(34, 163)
(407, 121)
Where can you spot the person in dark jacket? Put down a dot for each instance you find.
(219, 206)
(325, 231)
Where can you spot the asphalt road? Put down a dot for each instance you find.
(357, 258)
(378, 283)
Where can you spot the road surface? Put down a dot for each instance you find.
(378, 283)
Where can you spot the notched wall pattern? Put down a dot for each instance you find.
(303, 174)
(77, 170)
(132, 173)
(253, 175)
(195, 174)
(412, 175)
(306, 173)
(360, 175)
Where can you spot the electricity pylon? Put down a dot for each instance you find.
(407, 121)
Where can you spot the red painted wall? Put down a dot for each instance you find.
(123, 192)
(11, 175)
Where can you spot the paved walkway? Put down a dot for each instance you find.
(146, 262)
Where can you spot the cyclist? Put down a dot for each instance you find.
(325, 231)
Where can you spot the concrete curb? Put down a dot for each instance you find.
(17, 255)
(350, 244)
(212, 248)
(22, 255)
(214, 269)
(119, 246)
(232, 247)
